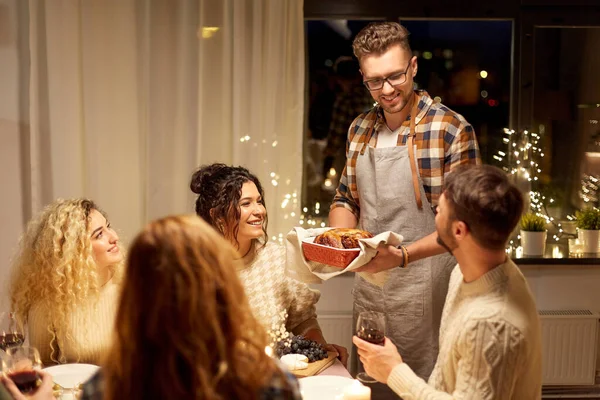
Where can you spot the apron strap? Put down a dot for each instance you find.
(411, 155)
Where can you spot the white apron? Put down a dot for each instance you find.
(413, 297)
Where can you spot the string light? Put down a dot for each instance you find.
(287, 207)
(522, 162)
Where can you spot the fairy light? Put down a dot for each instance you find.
(588, 191)
(289, 202)
(521, 160)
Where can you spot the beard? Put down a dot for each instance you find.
(443, 244)
(404, 102)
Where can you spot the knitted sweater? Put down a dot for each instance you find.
(490, 342)
(271, 292)
(91, 327)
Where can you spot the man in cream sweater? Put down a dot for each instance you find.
(490, 341)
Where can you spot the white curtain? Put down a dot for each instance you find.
(127, 98)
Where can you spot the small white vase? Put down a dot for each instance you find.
(533, 243)
(590, 240)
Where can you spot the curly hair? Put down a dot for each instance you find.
(483, 197)
(55, 267)
(378, 37)
(184, 328)
(219, 188)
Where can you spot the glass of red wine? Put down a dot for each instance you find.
(11, 331)
(3, 362)
(23, 366)
(370, 327)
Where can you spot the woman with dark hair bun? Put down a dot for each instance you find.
(231, 199)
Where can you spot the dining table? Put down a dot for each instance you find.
(337, 369)
(329, 384)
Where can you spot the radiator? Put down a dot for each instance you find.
(569, 346)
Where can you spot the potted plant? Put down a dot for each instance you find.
(588, 224)
(533, 234)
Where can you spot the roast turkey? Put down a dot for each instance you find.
(342, 238)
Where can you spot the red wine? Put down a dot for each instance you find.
(11, 339)
(371, 335)
(26, 381)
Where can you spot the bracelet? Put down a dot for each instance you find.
(404, 256)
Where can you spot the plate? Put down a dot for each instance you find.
(324, 387)
(70, 375)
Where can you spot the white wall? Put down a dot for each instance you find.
(11, 199)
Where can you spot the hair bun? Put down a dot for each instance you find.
(203, 176)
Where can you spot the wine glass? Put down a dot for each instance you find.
(3, 362)
(23, 364)
(11, 330)
(370, 327)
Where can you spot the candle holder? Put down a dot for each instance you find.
(355, 391)
(575, 248)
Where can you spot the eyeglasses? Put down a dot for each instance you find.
(397, 78)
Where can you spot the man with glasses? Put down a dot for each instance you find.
(490, 337)
(398, 155)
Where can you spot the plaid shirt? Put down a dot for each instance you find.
(282, 387)
(444, 140)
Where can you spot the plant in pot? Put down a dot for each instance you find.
(588, 224)
(533, 234)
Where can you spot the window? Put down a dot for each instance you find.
(465, 64)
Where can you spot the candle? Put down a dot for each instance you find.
(269, 351)
(575, 247)
(556, 253)
(519, 252)
(357, 391)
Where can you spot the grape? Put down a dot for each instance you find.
(301, 345)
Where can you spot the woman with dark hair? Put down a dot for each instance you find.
(184, 329)
(231, 199)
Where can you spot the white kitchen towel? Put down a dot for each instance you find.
(306, 271)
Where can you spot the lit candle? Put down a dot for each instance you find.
(556, 253)
(519, 252)
(269, 351)
(357, 391)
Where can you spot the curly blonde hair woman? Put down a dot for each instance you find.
(184, 329)
(65, 281)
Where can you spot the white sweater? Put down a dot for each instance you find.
(91, 327)
(490, 342)
(270, 291)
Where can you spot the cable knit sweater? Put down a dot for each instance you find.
(490, 342)
(270, 291)
(91, 327)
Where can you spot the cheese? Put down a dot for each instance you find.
(295, 361)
